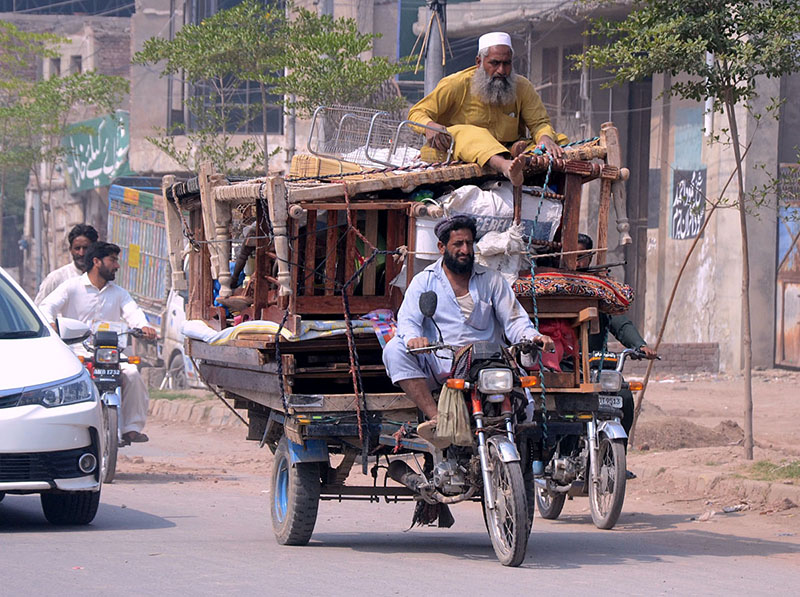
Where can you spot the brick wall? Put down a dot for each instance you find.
(677, 359)
(113, 53)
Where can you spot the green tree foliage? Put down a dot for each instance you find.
(746, 40)
(325, 64)
(218, 57)
(35, 114)
(252, 42)
(18, 50)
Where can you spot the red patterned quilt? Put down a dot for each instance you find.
(615, 297)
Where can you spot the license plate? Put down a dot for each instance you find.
(106, 372)
(610, 401)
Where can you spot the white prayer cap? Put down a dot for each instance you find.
(496, 38)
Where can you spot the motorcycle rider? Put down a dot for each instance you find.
(474, 304)
(94, 297)
(80, 238)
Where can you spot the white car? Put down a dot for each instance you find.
(51, 418)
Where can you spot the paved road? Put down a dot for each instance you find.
(163, 531)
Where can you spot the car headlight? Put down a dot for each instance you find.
(610, 381)
(106, 355)
(69, 391)
(495, 381)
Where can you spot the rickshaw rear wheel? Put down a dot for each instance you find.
(295, 497)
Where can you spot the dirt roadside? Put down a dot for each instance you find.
(688, 454)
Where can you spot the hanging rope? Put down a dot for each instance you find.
(543, 393)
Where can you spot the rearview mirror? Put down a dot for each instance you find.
(427, 303)
(72, 331)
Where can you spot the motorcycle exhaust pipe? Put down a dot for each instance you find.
(574, 488)
(402, 473)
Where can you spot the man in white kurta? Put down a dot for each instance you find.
(93, 297)
(80, 239)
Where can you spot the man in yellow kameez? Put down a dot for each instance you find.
(486, 108)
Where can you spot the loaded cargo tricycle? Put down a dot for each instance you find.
(293, 332)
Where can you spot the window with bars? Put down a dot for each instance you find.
(560, 87)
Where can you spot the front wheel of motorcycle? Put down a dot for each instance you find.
(508, 522)
(109, 460)
(607, 491)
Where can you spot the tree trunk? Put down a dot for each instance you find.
(747, 346)
(264, 126)
(640, 397)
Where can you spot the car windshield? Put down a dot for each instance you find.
(17, 318)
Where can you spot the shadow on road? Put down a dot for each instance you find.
(23, 514)
(563, 550)
(629, 521)
(569, 543)
(155, 477)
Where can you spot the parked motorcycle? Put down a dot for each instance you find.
(103, 361)
(581, 447)
(490, 467)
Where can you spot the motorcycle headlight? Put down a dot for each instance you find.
(106, 355)
(69, 391)
(610, 381)
(495, 381)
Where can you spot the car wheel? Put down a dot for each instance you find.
(72, 508)
(177, 373)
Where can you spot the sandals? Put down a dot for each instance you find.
(133, 437)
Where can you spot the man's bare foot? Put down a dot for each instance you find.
(514, 172)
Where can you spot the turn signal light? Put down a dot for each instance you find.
(81, 358)
(134, 360)
(456, 384)
(529, 381)
(635, 386)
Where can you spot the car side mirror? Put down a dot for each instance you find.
(427, 303)
(72, 331)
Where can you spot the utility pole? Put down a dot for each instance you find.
(434, 53)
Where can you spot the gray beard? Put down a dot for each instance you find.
(497, 91)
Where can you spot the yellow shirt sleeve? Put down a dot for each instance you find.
(534, 113)
(439, 103)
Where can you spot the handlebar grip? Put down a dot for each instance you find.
(429, 348)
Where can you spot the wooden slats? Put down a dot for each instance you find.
(331, 250)
(371, 183)
(394, 238)
(370, 272)
(350, 253)
(310, 253)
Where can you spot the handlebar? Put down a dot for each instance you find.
(135, 332)
(431, 348)
(635, 354)
(524, 346)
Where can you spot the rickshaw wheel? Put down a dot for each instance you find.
(295, 497)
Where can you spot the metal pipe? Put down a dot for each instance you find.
(434, 54)
(488, 491)
(594, 464)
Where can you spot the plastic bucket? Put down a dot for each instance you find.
(426, 242)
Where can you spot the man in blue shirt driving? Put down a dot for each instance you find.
(474, 304)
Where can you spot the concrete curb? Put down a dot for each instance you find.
(208, 413)
(694, 482)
